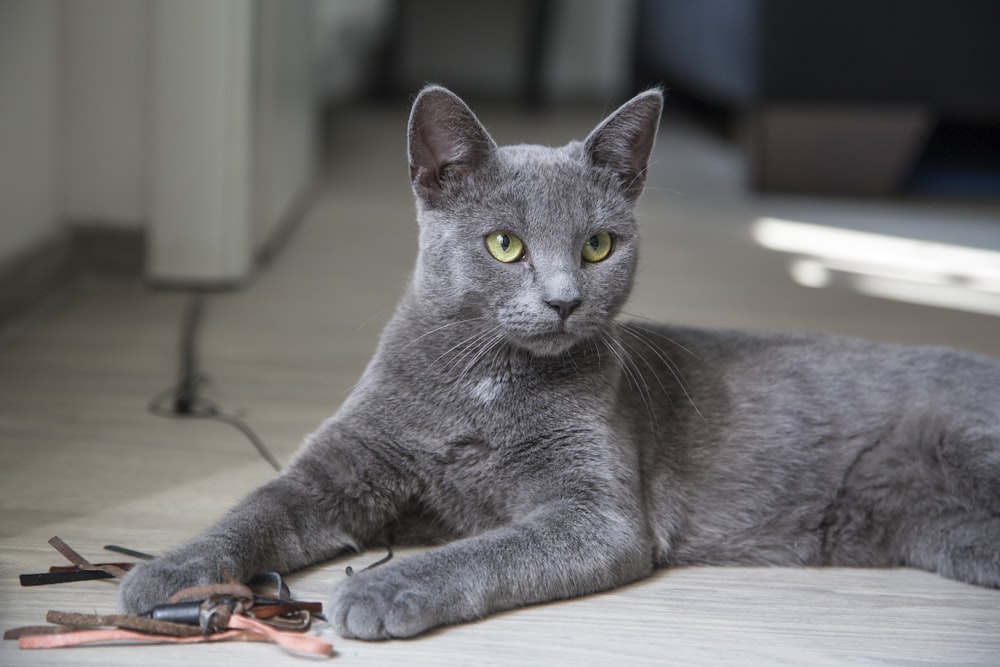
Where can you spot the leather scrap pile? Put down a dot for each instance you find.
(219, 612)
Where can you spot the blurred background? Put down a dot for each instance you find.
(178, 144)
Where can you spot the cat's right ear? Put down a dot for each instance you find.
(447, 143)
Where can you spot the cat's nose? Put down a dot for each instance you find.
(564, 308)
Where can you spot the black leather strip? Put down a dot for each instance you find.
(44, 578)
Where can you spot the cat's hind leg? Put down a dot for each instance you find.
(964, 542)
(927, 495)
(960, 546)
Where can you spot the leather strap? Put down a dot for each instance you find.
(80, 570)
(290, 641)
(28, 630)
(229, 612)
(45, 578)
(73, 568)
(123, 621)
(240, 628)
(78, 637)
(82, 562)
(201, 592)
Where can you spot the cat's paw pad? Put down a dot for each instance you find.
(373, 607)
(152, 583)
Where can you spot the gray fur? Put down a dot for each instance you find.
(553, 453)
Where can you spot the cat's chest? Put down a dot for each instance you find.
(507, 399)
(489, 390)
(504, 414)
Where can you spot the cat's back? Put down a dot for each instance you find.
(803, 367)
(745, 436)
(696, 396)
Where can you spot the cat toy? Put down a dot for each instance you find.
(214, 613)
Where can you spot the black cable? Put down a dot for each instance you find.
(382, 561)
(181, 401)
(186, 391)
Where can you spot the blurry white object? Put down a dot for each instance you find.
(895, 267)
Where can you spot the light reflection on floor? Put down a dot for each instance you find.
(892, 267)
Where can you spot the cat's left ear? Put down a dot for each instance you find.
(625, 139)
(447, 143)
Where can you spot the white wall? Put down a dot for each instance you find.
(285, 142)
(233, 132)
(29, 129)
(104, 112)
(73, 118)
(200, 224)
(79, 124)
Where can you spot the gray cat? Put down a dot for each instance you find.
(551, 451)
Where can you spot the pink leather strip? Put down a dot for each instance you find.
(291, 641)
(79, 637)
(241, 628)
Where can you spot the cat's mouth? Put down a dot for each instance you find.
(546, 343)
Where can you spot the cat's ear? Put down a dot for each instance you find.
(625, 139)
(447, 143)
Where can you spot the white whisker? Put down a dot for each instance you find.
(632, 353)
(480, 354)
(435, 330)
(657, 333)
(635, 377)
(664, 358)
(464, 346)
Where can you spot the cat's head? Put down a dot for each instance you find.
(539, 243)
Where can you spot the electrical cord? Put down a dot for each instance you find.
(186, 391)
(182, 400)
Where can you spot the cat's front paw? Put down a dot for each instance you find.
(384, 604)
(152, 583)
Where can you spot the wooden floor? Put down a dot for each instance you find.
(81, 458)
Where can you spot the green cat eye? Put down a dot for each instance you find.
(597, 247)
(505, 247)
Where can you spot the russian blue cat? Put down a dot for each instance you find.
(550, 451)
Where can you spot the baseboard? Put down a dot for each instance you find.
(109, 250)
(28, 278)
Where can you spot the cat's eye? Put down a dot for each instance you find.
(505, 246)
(597, 247)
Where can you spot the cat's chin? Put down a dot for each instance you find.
(547, 344)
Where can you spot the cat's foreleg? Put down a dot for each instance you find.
(333, 498)
(562, 550)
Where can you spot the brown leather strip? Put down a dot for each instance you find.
(32, 630)
(202, 592)
(138, 623)
(269, 610)
(82, 562)
(299, 621)
(99, 566)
